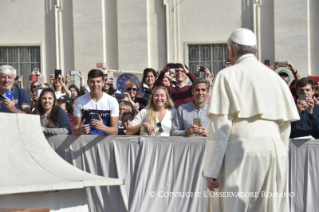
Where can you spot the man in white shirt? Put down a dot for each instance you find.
(96, 112)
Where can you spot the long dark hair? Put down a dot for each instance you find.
(75, 88)
(54, 115)
(145, 73)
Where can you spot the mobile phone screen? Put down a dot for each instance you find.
(9, 95)
(196, 122)
(174, 65)
(57, 73)
(282, 64)
(302, 97)
(101, 65)
(74, 72)
(40, 80)
(34, 78)
(110, 76)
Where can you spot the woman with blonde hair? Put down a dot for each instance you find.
(157, 117)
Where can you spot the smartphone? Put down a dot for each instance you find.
(40, 80)
(110, 76)
(9, 95)
(302, 97)
(266, 62)
(38, 92)
(174, 65)
(34, 78)
(57, 73)
(101, 65)
(196, 122)
(74, 72)
(119, 95)
(95, 116)
(282, 64)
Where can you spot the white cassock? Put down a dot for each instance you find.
(250, 109)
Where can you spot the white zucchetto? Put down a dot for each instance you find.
(244, 37)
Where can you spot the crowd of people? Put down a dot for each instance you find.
(168, 102)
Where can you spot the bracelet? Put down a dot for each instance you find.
(81, 77)
(295, 72)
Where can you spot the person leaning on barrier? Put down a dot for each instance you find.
(157, 117)
(181, 93)
(308, 111)
(20, 103)
(96, 112)
(54, 120)
(247, 145)
(185, 114)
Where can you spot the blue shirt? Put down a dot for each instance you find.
(20, 97)
(307, 125)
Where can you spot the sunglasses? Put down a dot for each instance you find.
(131, 89)
(159, 124)
(34, 86)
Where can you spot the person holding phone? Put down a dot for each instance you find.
(96, 113)
(181, 93)
(75, 91)
(54, 120)
(58, 85)
(308, 110)
(109, 87)
(20, 101)
(188, 114)
(157, 118)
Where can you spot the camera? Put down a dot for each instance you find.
(266, 62)
(201, 68)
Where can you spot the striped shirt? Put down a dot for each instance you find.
(185, 115)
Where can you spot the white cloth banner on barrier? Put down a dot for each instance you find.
(165, 173)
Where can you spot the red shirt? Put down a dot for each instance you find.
(179, 95)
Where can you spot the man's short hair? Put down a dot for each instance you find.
(95, 73)
(304, 82)
(200, 80)
(6, 69)
(241, 49)
(130, 114)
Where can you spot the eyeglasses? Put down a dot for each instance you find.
(159, 124)
(133, 89)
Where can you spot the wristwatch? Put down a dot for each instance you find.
(295, 72)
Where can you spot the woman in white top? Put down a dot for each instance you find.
(157, 116)
(59, 87)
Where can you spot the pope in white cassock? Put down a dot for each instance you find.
(250, 110)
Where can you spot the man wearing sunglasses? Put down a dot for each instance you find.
(183, 123)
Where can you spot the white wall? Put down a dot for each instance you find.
(292, 33)
(136, 34)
